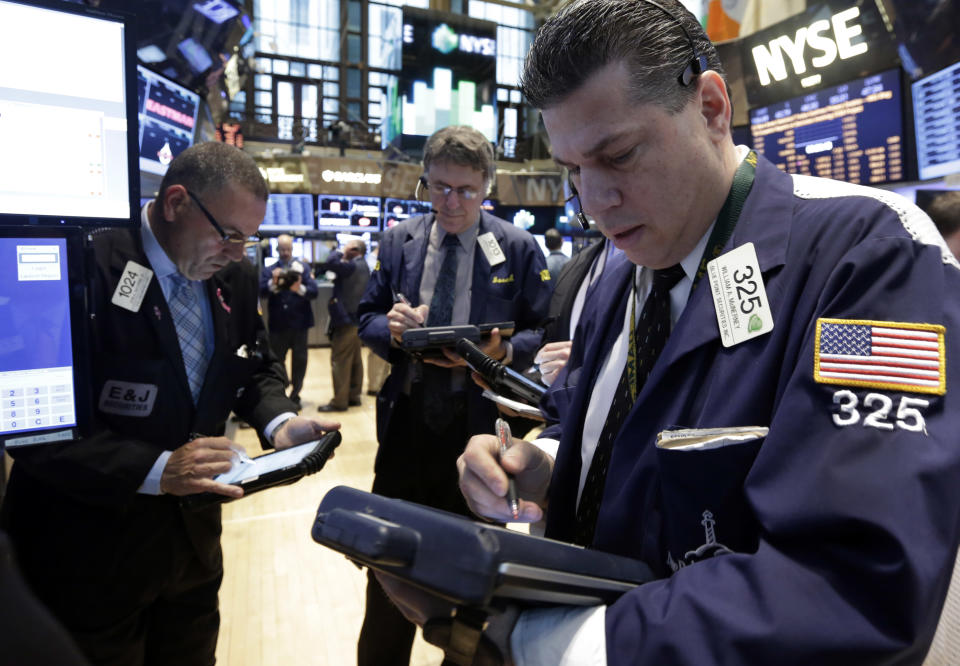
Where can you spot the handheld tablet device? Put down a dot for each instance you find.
(430, 340)
(271, 469)
(467, 562)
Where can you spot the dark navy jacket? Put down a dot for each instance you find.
(285, 309)
(844, 519)
(516, 290)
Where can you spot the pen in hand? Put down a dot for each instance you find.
(506, 439)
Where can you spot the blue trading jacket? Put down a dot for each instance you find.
(516, 290)
(832, 539)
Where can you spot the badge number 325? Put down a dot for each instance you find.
(908, 415)
(739, 296)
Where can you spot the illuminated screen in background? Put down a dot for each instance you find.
(168, 119)
(396, 211)
(535, 219)
(936, 120)
(850, 132)
(302, 251)
(348, 214)
(36, 348)
(448, 75)
(289, 212)
(63, 114)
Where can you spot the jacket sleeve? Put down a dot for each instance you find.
(855, 494)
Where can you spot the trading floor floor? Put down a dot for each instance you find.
(285, 599)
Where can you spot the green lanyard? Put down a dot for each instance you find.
(722, 230)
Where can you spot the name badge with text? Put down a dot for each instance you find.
(132, 286)
(127, 398)
(739, 297)
(491, 249)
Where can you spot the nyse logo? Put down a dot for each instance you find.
(445, 39)
(770, 58)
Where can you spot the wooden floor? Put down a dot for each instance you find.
(285, 599)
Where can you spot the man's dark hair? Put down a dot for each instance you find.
(207, 168)
(587, 35)
(463, 146)
(552, 239)
(945, 212)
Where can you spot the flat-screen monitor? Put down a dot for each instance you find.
(44, 379)
(448, 77)
(396, 211)
(936, 121)
(168, 119)
(346, 214)
(68, 116)
(926, 34)
(851, 132)
(289, 212)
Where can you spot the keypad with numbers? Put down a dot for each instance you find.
(36, 400)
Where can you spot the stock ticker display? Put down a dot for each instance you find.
(936, 118)
(850, 132)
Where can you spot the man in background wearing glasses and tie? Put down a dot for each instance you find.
(176, 345)
(455, 265)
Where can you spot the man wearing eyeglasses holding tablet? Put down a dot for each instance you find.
(455, 265)
(176, 345)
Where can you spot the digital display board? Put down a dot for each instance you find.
(829, 43)
(397, 210)
(936, 121)
(168, 119)
(850, 132)
(289, 212)
(448, 76)
(348, 214)
(68, 117)
(535, 219)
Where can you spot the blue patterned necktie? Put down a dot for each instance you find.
(648, 340)
(441, 305)
(189, 324)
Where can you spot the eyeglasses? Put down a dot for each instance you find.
(235, 238)
(465, 193)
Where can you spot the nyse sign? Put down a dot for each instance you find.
(845, 43)
(530, 189)
(830, 43)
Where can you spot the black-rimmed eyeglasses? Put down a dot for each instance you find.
(235, 238)
(465, 193)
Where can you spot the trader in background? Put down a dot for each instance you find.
(945, 213)
(456, 265)
(289, 287)
(346, 353)
(775, 435)
(556, 259)
(176, 345)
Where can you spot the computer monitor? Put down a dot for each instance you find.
(936, 121)
(44, 371)
(289, 213)
(851, 132)
(346, 214)
(68, 116)
(168, 119)
(396, 211)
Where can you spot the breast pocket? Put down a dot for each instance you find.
(702, 473)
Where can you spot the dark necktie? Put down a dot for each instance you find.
(650, 336)
(441, 305)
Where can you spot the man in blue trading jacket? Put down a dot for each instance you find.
(177, 344)
(818, 523)
(289, 287)
(456, 265)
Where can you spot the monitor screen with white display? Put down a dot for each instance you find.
(68, 119)
(42, 349)
(851, 132)
(168, 119)
(289, 213)
(348, 214)
(936, 120)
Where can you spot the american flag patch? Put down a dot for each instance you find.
(881, 354)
